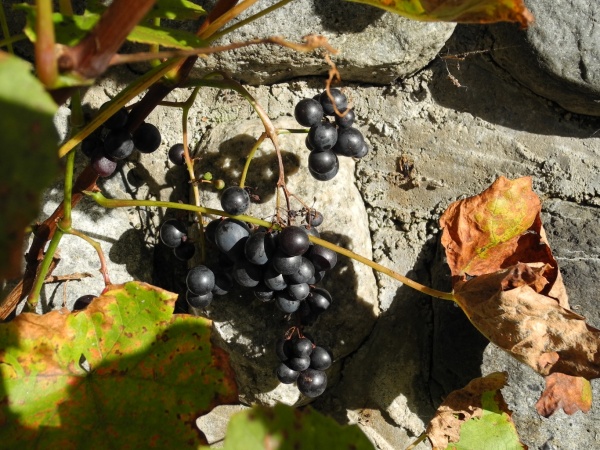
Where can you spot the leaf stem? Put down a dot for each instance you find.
(420, 439)
(34, 296)
(45, 58)
(115, 203)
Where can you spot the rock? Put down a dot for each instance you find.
(214, 424)
(247, 328)
(558, 56)
(375, 47)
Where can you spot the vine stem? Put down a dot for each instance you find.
(116, 203)
(420, 439)
(45, 58)
(34, 296)
(253, 150)
(98, 248)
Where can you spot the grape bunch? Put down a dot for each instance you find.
(330, 135)
(114, 142)
(304, 363)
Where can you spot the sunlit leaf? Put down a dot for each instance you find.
(571, 394)
(286, 428)
(475, 417)
(28, 148)
(465, 11)
(166, 9)
(124, 373)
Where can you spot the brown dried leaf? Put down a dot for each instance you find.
(496, 229)
(465, 404)
(507, 308)
(571, 394)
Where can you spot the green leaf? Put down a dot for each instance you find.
(466, 11)
(164, 9)
(124, 373)
(286, 428)
(28, 154)
(70, 30)
(494, 428)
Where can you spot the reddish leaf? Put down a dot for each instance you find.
(508, 309)
(571, 394)
(124, 373)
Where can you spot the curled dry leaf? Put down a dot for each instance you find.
(565, 392)
(508, 308)
(481, 401)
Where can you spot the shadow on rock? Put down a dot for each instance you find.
(345, 17)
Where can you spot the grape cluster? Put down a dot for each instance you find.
(114, 142)
(304, 363)
(330, 134)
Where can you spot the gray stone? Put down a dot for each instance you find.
(214, 424)
(558, 56)
(375, 46)
(249, 329)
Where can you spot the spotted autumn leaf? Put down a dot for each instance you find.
(507, 308)
(124, 373)
(464, 11)
(475, 414)
(571, 394)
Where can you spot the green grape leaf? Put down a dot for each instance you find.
(464, 11)
(70, 30)
(28, 146)
(124, 373)
(164, 9)
(475, 417)
(286, 428)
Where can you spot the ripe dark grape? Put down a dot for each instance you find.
(363, 151)
(322, 257)
(210, 230)
(301, 347)
(323, 166)
(298, 363)
(319, 300)
(308, 112)
(298, 291)
(259, 247)
(223, 283)
(235, 200)
(314, 218)
(320, 359)
(200, 280)
(286, 375)
(172, 232)
(308, 143)
(350, 142)
(199, 301)
(263, 293)
(312, 382)
(185, 251)
(146, 138)
(118, 144)
(176, 155)
(286, 265)
(286, 303)
(304, 273)
(230, 238)
(82, 302)
(274, 280)
(247, 274)
(293, 241)
(346, 120)
(340, 101)
(323, 136)
(92, 145)
(312, 231)
(103, 166)
(117, 120)
(282, 349)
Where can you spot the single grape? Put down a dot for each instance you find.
(103, 166)
(117, 120)
(185, 251)
(235, 200)
(304, 273)
(346, 120)
(285, 264)
(92, 145)
(312, 231)
(320, 359)
(323, 166)
(298, 291)
(312, 382)
(314, 218)
(274, 280)
(286, 303)
(308, 112)
(146, 138)
(286, 375)
(259, 247)
(176, 155)
(172, 232)
(263, 293)
(322, 257)
(199, 301)
(223, 283)
(350, 142)
(118, 144)
(308, 143)
(293, 241)
(210, 229)
(298, 363)
(82, 302)
(282, 349)
(316, 278)
(230, 238)
(200, 280)
(340, 101)
(363, 151)
(247, 274)
(323, 136)
(319, 300)
(301, 347)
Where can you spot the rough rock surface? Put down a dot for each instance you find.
(375, 47)
(558, 57)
